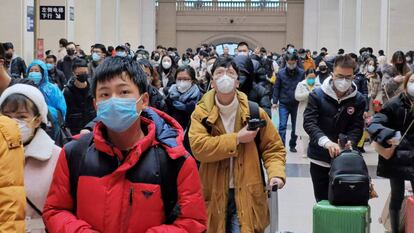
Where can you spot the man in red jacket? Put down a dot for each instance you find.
(132, 174)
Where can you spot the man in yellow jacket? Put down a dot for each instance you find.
(12, 194)
(230, 170)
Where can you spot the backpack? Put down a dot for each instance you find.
(58, 130)
(349, 180)
(168, 169)
(254, 114)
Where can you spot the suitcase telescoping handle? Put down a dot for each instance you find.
(274, 209)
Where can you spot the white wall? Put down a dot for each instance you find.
(352, 24)
(401, 33)
(13, 21)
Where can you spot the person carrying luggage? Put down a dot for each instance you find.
(230, 159)
(335, 108)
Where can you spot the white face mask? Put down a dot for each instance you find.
(342, 84)
(291, 66)
(183, 86)
(25, 130)
(410, 89)
(225, 84)
(371, 69)
(243, 53)
(166, 65)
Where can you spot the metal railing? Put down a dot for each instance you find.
(230, 6)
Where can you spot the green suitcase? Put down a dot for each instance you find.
(340, 219)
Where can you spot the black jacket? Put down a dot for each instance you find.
(17, 68)
(80, 110)
(326, 116)
(255, 92)
(65, 66)
(261, 96)
(156, 99)
(362, 86)
(396, 115)
(57, 77)
(285, 86)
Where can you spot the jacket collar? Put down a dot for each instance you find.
(327, 88)
(211, 111)
(41, 146)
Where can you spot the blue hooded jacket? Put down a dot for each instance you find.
(53, 96)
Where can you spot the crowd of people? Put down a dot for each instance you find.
(115, 135)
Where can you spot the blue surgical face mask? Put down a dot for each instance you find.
(96, 57)
(50, 66)
(121, 54)
(118, 114)
(36, 77)
(310, 81)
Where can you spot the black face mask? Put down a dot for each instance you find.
(82, 77)
(156, 58)
(70, 52)
(8, 56)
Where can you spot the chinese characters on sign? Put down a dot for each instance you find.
(52, 13)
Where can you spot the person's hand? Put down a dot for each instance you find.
(84, 131)
(277, 181)
(333, 149)
(275, 106)
(399, 78)
(348, 145)
(246, 136)
(392, 142)
(366, 115)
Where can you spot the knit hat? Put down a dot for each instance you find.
(30, 92)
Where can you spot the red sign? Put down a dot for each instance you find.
(40, 54)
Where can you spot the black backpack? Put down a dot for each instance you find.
(349, 180)
(254, 114)
(168, 168)
(58, 132)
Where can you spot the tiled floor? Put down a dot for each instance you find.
(296, 199)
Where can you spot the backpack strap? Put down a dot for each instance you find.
(75, 152)
(255, 114)
(169, 170)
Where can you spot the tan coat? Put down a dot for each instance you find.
(214, 152)
(12, 195)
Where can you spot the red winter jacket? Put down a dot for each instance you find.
(113, 196)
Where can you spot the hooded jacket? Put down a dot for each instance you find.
(12, 193)
(53, 96)
(326, 117)
(115, 194)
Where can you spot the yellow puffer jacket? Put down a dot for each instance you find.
(12, 195)
(214, 152)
